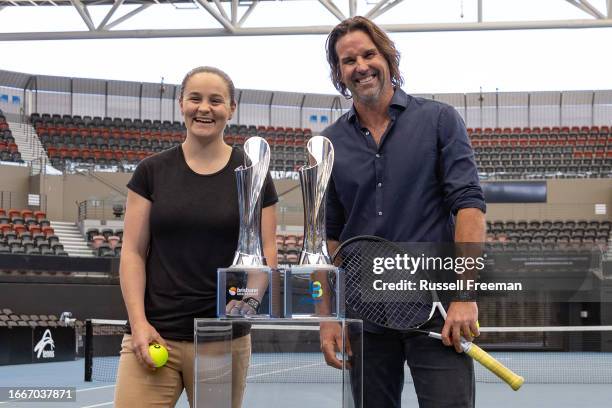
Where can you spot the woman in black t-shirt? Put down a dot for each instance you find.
(181, 224)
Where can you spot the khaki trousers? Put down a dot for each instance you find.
(140, 387)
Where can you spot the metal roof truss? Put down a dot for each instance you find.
(231, 16)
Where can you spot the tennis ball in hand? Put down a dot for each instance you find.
(477, 326)
(158, 354)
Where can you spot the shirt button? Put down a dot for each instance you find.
(379, 184)
(380, 213)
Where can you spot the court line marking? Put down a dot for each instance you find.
(545, 329)
(285, 370)
(264, 364)
(97, 405)
(95, 388)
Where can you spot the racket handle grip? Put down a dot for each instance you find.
(504, 373)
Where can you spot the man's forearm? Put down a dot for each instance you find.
(470, 233)
(470, 225)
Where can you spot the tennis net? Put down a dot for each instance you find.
(102, 344)
(543, 355)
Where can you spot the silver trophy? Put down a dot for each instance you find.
(314, 288)
(314, 178)
(250, 179)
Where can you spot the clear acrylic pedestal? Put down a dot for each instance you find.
(263, 362)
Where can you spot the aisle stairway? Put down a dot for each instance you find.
(28, 143)
(70, 236)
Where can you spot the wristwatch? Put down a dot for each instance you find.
(254, 303)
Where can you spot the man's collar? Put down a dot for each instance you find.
(352, 113)
(399, 100)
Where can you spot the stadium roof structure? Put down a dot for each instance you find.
(66, 85)
(586, 99)
(232, 17)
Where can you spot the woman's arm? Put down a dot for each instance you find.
(268, 235)
(133, 276)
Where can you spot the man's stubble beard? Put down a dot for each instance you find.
(371, 99)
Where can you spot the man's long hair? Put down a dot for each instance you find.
(383, 43)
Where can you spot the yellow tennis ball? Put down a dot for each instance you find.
(477, 326)
(158, 354)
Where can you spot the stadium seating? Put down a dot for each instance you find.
(117, 142)
(9, 151)
(501, 153)
(539, 234)
(287, 144)
(28, 232)
(289, 246)
(105, 242)
(557, 152)
(520, 234)
(103, 141)
(8, 318)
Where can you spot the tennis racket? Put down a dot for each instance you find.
(406, 310)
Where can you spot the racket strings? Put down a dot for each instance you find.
(400, 309)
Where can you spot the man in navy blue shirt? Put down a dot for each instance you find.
(404, 170)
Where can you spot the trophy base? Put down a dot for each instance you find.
(313, 292)
(245, 292)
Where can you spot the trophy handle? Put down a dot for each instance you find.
(314, 178)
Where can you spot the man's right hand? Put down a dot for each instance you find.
(331, 342)
(143, 334)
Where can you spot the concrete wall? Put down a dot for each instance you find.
(14, 186)
(53, 188)
(85, 301)
(289, 210)
(106, 187)
(566, 199)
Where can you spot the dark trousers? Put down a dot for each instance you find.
(442, 377)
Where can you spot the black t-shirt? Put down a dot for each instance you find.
(194, 225)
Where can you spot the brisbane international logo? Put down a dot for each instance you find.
(233, 291)
(315, 292)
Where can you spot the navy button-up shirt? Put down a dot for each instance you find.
(409, 187)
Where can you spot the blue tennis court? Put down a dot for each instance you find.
(551, 380)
